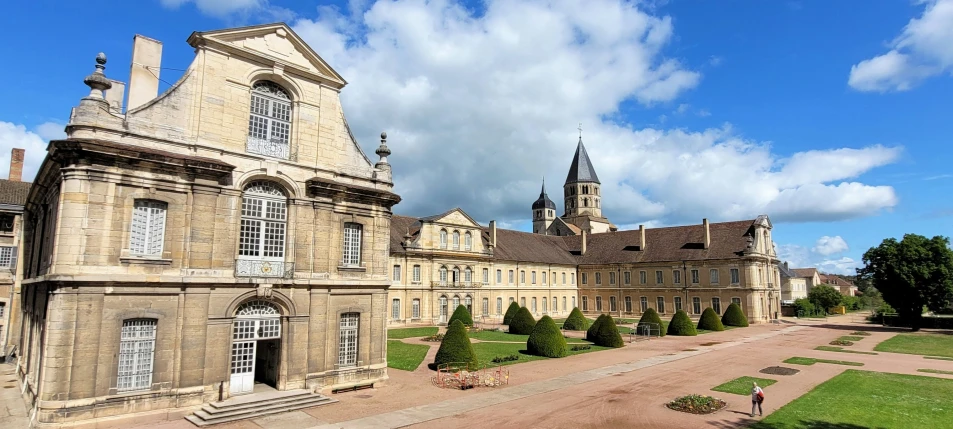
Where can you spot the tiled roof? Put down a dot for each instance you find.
(400, 226)
(804, 272)
(14, 192)
(526, 247)
(835, 280)
(785, 271)
(581, 168)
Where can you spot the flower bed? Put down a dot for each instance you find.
(436, 338)
(841, 343)
(861, 333)
(501, 359)
(697, 404)
(580, 347)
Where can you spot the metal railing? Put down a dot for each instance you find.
(456, 284)
(259, 268)
(270, 147)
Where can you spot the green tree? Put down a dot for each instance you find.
(651, 319)
(546, 340)
(576, 321)
(455, 346)
(522, 323)
(804, 308)
(606, 333)
(824, 297)
(734, 316)
(510, 312)
(710, 321)
(594, 327)
(461, 314)
(681, 325)
(910, 274)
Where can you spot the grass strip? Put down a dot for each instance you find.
(742, 385)
(797, 360)
(936, 371)
(850, 338)
(841, 350)
(937, 358)
(405, 356)
(918, 344)
(401, 333)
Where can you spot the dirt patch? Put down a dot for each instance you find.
(779, 370)
(619, 391)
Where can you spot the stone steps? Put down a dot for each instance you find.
(256, 405)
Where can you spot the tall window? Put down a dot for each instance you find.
(499, 305)
(534, 304)
(628, 304)
(612, 277)
(572, 278)
(533, 276)
(352, 244)
(555, 305)
(456, 276)
(269, 124)
(642, 278)
(564, 303)
(486, 306)
(696, 305)
(347, 345)
(733, 301)
(574, 301)
(395, 309)
(544, 277)
(148, 228)
(523, 302)
(627, 277)
(522, 277)
(713, 274)
(499, 277)
(598, 278)
(456, 240)
(676, 277)
(264, 216)
(678, 303)
(612, 304)
(598, 303)
(735, 277)
(468, 303)
(467, 275)
(658, 277)
(456, 302)
(510, 277)
(8, 257)
(585, 303)
(396, 273)
(716, 305)
(137, 345)
(486, 276)
(643, 303)
(443, 239)
(545, 307)
(416, 274)
(694, 276)
(416, 308)
(467, 241)
(660, 304)
(585, 279)
(564, 278)
(443, 275)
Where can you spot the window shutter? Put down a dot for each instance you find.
(13, 259)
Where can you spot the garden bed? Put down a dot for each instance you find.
(779, 370)
(697, 404)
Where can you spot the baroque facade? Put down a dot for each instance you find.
(187, 246)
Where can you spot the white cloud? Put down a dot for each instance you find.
(17, 136)
(233, 8)
(922, 50)
(51, 131)
(827, 245)
(843, 265)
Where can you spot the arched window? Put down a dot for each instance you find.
(467, 241)
(467, 275)
(269, 122)
(263, 224)
(443, 239)
(456, 302)
(598, 303)
(585, 202)
(443, 275)
(456, 276)
(456, 240)
(468, 302)
(257, 308)
(612, 305)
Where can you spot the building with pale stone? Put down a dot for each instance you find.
(13, 193)
(793, 287)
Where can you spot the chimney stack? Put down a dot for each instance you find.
(492, 233)
(144, 76)
(114, 96)
(786, 265)
(584, 237)
(16, 164)
(641, 237)
(707, 233)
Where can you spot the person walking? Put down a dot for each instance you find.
(757, 397)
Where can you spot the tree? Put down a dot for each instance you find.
(803, 308)
(576, 321)
(606, 333)
(522, 323)
(651, 317)
(461, 314)
(734, 316)
(594, 327)
(710, 321)
(681, 325)
(910, 274)
(824, 297)
(510, 312)
(546, 340)
(455, 346)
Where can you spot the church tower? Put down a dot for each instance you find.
(583, 195)
(544, 212)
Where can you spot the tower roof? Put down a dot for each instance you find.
(581, 169)
(543, 201)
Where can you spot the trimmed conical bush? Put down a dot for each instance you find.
(734, 316)
(593, 328)
(510, 312)
(455, 346)
(606, 333)
(461, 314)
(651, 317)
(522, 323)
(710, 321)
(576, 321)
(681, 325)
(546, 340)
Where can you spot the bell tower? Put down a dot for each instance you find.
(544, 212)
(581, 191)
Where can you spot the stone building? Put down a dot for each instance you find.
(13, 193)
(224, 235)
(793, 287)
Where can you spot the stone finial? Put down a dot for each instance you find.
(383, 151)
(98, 81)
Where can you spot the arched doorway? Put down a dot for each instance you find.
(256, 336)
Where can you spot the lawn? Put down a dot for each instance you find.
(841, 350)
(487, 351)
(742, 385)
(405, 356)
(937, 358)
(397, 334)
(850, 338)
(919, 344)
(936, 371)
(811, 361)
(504, 336)
(860, 399)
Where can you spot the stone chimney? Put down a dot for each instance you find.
(786, 265)
(114, 96)
(492, 233)
(16, 164)
(641, 237)
(707, 233)
(584, 238)
(144, 75)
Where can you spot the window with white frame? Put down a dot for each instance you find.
(396, 273)
(468, 303)
(522, 277)
(347, 342)
(694, 276)
(545, 307)
(612, 277)
(659, 279)
(660, 304)
(8, 257)
(443, 239)
(443, 275)
(416, 274)
(534, 304)
(598, 278)
(676, 276)
(564, 303)
(523, 302)
(148, 228)
(598, 303)
(572, 278)
(678, 303)
(416, 308)
(486, 276)
(456, 302)
(352, 244)
(456, 240)
(467, 241)
(486, 306)
(544, 277)
(467, 275)
(628, 304)
(137, 344)
(643, 303)
(643, 277)
(555, 305)
(510, 277)
(395, 309)
(735, 277)
(499, 305)
(499, 277)
(713, 276)
(533, 276)
(696, 305)
(263, 225)
(269, 122)
(573, 301)
(564, 278)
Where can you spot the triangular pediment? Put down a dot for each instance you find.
(276, 42)
(455, 216)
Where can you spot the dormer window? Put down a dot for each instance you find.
(269, 121)
(443, 239)
(456, 240)
(467, 241)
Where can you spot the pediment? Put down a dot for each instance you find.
(276, 42)
(454, 216)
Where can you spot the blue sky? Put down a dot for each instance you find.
(831, 118)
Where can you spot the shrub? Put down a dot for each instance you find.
(507, 358)
(841, 343)
(651, 316)
(435, 338)
(606, 333)
(461, 314)
(591, 332)
(734, 316)
(576, 321)
(804, 308)
(697, 404)
(522, 323)
(824, 297)
(709, 321)
(580, 348)
(455, 346)
(510, 312)
(546, 340)
(681, 325)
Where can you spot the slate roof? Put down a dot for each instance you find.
(785, 271)
(581, 169)
(14, 192)
(543, 201)
(804, 272)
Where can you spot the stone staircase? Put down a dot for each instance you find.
(256, 405)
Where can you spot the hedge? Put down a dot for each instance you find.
(546, 340)
(651, 316)
(606, 333)
(510, 312)
(734, 316)
(709, 321)
(461, 314)
(681, 325)
(522, 323)
(455, 346)
(576, 321)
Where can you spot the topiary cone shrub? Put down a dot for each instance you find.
(651, 316)
(546, 340)
(576, 321)
(606, 333)
(455, 346)
(591, 331)
(522, 323)
(681, 325)
(510, 312)
(461, 314)
(709, 321)
(734, 316)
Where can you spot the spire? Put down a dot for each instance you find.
(543, 201)
(581, 169)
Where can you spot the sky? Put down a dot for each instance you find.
(831, 118)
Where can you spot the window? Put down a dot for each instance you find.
(264, 214)
(628, 304)
(486, 276)
(676, 277)
(642, 278)
(555, 305)
(574, 301)
(467, 275)
(598, 303)
(456, 276)
(585, 303)
(443, 275)
(696, 305)
(716, 305)
(564, 278)
(678, 303)
(598, 278)
(565, 308)
(3, 306)
(148, 228)
(456, 302)
(8, 257)
(137, 345)
(572, 278)
(416, 309)
(627, 277)
(352, 244)
(534, 304)
(733, 301)
(643, 303)
(545, 307)
(395, 309)
(512, 300)
(468, 303)
(499, 306)
(585, 279)
(467, 241)
(658, 277)
(694, 276)
(456, 240)
(396, 273)
(511, 276)
(544, 277)
(713, 276)
(269, 122)
(735, 277)
(612, 303)
(347, 345)
(443, 239)
(522, 277)
(416, 277)
(499, 276)
(486, 306)
(611, 277)
(533, 276)
(660, 304)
